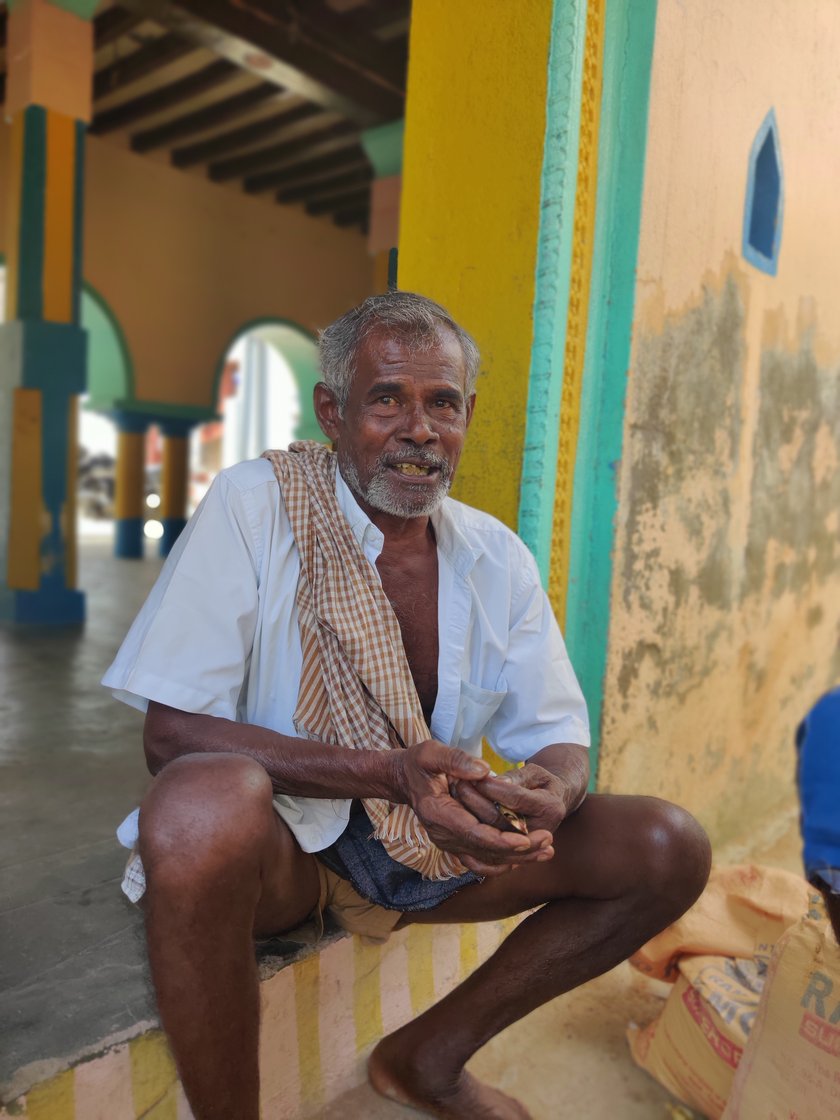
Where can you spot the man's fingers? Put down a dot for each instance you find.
(527, 802)
(481, 808)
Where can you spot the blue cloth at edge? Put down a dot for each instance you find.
(818, 778)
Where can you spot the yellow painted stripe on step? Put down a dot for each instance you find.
(421, 981)
(14, 179)
(367, 995)
(24, 561)
(307, 1012)
(58, 218)
(54, 1100)
(469, 949)
(153, 1077)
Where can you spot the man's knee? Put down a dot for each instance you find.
(673, 854)
(205, 812)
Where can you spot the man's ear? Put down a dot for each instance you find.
(327, 411)
(470, 407)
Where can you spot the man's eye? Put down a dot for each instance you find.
(444, 402)
(387, 399)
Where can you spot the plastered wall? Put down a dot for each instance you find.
(726, 588)
(184, 263)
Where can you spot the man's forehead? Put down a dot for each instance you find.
(382, 348)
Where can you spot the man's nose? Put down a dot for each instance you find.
(418, 426)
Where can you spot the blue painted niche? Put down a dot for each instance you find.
(763, 206)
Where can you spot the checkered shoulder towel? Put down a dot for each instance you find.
(356, 688)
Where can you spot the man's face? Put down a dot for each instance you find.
(403, 428)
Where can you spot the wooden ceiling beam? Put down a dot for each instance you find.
(112, 24)
(332, 162)
(350, 200)
(334, 152)
(203, 119)
(209, 151)
(312, 190)
(344, 39)
(269, 44)
(265, 158)
(165, 97)
(144, 61)
(355, 217)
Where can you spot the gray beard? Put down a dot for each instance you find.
(381, 492)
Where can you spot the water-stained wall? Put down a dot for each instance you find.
(725, 604)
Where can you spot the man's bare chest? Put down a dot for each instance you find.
(413, 593)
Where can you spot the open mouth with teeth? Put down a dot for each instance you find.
(414, 470)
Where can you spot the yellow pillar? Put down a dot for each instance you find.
(469, 221)
(42, 344)
(130, 484)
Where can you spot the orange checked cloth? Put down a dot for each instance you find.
(356, 688)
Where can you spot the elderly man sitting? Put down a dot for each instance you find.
(325, 648)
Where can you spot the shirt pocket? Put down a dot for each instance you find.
(476, 707)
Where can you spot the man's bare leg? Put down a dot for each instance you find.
(221, 868)
(624, 868)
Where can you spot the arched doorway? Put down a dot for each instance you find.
(263, 386)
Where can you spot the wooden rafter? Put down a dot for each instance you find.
(331, 162)
(144, 61)
(336, 151)
(200, 120)
(354, 217)
(265, 158)
(276, 46)
(237, 138)
(312, 190)
(164, 97)
(112, 24)
(335, 203)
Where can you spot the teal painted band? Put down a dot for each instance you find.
(82, 8)
(551, 292)
(176, 427)
(383, 146)
(158, 411)
(124, 377)
(30, 301)
(628, 51)
(78, 218)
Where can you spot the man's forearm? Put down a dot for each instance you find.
(568, 761)
(296, 766)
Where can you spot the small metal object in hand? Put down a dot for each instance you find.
(514, 822)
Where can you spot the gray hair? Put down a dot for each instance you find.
(411, 318)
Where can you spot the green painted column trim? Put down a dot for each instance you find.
(383, 146)
(628, 51)
(82, 8)
(32, 202)
(156, 411)
(551, 294)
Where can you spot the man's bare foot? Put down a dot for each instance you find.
(402, 1075)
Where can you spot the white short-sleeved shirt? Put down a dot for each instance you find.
(218, 633)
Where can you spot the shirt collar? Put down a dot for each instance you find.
(364, 530)
(451, 542)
